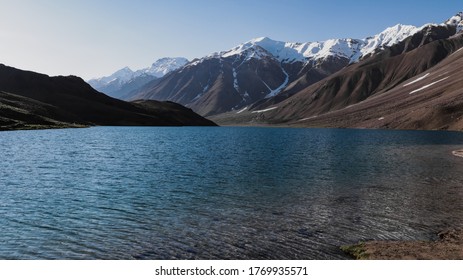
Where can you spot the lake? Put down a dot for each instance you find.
(222, 192)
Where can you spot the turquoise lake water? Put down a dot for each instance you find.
(222, 192)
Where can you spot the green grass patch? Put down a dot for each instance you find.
(357, 251)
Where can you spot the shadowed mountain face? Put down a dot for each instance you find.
(29, 99)
(18, 112)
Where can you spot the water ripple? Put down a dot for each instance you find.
(222, 193)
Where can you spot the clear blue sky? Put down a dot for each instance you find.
(92, 38)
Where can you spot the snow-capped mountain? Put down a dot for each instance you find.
(125, 80)
(265, 71)
(122, 75)
(353, 49)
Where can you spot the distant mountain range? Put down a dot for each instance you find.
(29, 100)
(264, 81)
(122, 82)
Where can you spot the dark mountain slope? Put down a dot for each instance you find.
(172, 112)
(71, 100)
(18, 112)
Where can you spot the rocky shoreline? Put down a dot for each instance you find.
(20, 126)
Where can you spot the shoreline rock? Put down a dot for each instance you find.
(449, 246)
(458, 153)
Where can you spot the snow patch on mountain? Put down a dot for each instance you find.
(235, 81)
(250, 50)
(242, 110)
(428, 85)
(163, 66)
(334, 47)
(417, 80)
(265, 110)
(456, 20)
(123, 75)
(280, 88)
